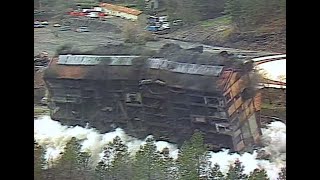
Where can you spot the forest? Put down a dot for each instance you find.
(146, 164)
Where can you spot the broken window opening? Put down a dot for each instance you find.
(222, 127)
(198, 119)
(134, 98)
(211, 101)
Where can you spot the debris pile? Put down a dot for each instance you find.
(41, 61)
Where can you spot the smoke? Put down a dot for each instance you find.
(53, 137)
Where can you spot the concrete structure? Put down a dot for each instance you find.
(168, 99)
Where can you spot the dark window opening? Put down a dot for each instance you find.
(198, 110)
(195, 99)
(211, 101)
(212, 111)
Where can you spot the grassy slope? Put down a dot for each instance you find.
(220, 31)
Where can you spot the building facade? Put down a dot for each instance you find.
(170, 100)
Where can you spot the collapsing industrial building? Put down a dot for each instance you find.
(167, 98)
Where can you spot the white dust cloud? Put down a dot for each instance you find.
(53, 137)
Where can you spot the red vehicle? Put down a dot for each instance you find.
(101, 14)
(76, 13)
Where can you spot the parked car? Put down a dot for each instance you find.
(177, 22)
(45, 23)
(38, 26)
(82, 29)
(56, 25)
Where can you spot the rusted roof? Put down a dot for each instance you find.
(120, 9)
(94, 60)
(187, 68)
(152, 63)
(73, 72)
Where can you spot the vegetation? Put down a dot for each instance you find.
(67, 49)
(62, 5)
(216, 22)
(147, 164)
(249, 14)
(40, 110)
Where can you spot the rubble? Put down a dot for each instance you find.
(41, 61)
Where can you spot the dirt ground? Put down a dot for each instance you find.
(50, 38)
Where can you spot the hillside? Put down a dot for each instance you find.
(221, 32)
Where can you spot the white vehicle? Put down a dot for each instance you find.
(165, 25)
(44, 101)
(45, 23)
(56, 25)
(93, 15)
(85, 10)
(163, 18)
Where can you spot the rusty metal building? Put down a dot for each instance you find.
(170, 100)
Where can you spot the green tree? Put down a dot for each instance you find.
(69, 165)
(100, 171)
(85, 168)
(193, 158)
(147, 164)
(168, 165)
(117, 158)
(258, 174)
(249, 14)
(283, 174)
(39, 161)
(236, 172)
(215, 173)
